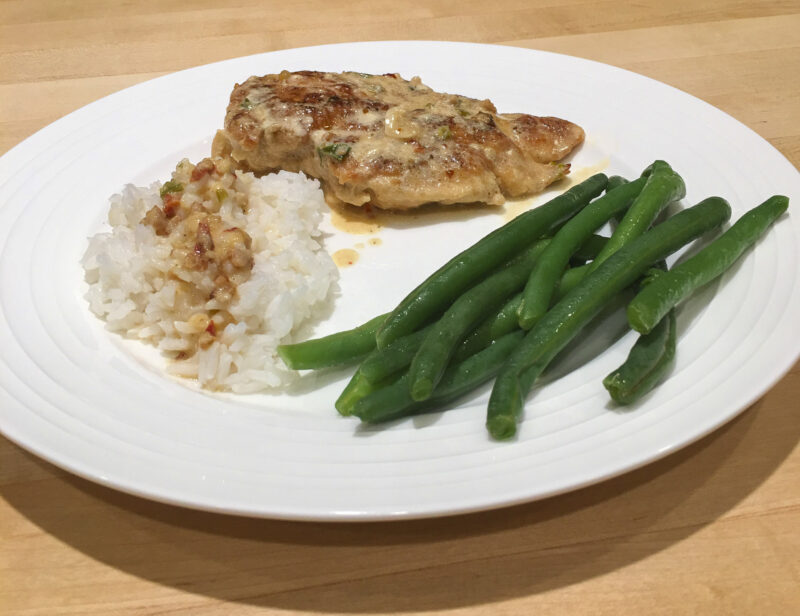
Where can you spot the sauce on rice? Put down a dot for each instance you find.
(203, 243)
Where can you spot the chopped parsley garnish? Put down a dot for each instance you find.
(336, 151)
(444, 132)
(461, 111)
(170, 187)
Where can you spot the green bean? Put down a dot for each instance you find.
(570, 280)
(467, 268)
(477, 303)
(595, 243)
(547, 270)
(650, 357)
(337, 349)
(591, 247)
(656, 299)
(394, 401)
(574, 275)
(588, 252)
(502, 322)
(663, 186)
(615, 181)
(648, 361)
(382, 363)
(566, 319)
(357, 388)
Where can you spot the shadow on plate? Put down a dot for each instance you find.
(394, 567)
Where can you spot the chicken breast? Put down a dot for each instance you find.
(392, 143)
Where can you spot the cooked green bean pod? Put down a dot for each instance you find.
(382, 363)
(657, 298)
(359, 387)
(649, 359)
(591, 247)
(337, 349)
(570, 280)
(502, 322)
(615, 181)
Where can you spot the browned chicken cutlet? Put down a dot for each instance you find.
(392, 143)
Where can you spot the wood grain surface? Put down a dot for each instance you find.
(712, 529)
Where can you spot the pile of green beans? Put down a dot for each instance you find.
(571, 314)
(506, 306)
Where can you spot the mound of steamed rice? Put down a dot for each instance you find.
(133, 283)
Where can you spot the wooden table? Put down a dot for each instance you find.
(713, 529)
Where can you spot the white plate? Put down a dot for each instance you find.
(72, 393)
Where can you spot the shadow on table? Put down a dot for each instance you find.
(425, 564)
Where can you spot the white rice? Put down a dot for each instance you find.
(132, 281)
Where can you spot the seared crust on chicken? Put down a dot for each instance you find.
(392, 143)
